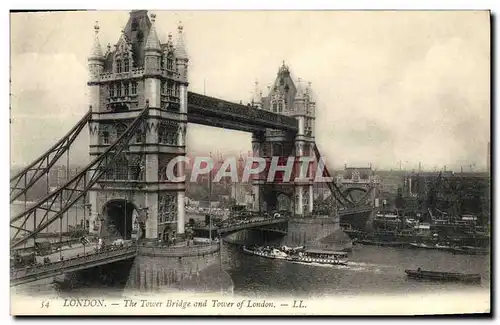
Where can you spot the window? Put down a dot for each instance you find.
(170, 63)
(121, 169)
(118, 90)
(280, 107)
(169, 89)
(125, 65)
(177, 91)
(167, 208)
(111, 90)
(105, 137)
(139, 136)
(120, 129)
(170, 138)
(162, 61)
(125, 89)
(162, 133)
(118, 66)
(275, 107)
(134, 88)
(167, 136)
(162, 87)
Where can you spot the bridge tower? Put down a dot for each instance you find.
(291, 98)
(135, 198)
(360, 184)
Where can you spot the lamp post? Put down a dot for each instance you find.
(87, 207)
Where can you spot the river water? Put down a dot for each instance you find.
(371, 269)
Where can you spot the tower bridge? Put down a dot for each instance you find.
(139, 107)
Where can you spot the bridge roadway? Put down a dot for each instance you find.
(344, 212)
(72, 264)
(241, 225)
(80, 257)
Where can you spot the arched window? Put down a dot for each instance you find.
(120, 129)
(105, 137)
(133, 89)
(163, 87)
(280, 107)
(167, 208)
(118, 66)
(118, 90)
(125, 65)
(169, 89)
(139, 135)
(111, 88)
(121, 168)
(274, 106)
(125, 89)
(170, 63)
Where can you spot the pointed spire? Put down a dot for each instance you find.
(300, 90)
(257, 93)
(108, 49)
(153, 43)
(180, 48)
(96, 52)
(170, 43)
(309, 91)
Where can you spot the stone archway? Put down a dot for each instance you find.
(167, 234)
(118, 220)
(283, 202)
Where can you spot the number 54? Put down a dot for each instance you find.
(45, 304)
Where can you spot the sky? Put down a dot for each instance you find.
(390, 87)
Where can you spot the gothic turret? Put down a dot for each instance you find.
(96, 58)
(152, 50)
(181, 54)
(96, 67)
(152, 42)
(257, 96)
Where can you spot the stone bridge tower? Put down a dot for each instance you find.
(291, 98)
(135, 198)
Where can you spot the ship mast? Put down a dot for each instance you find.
(210, 202)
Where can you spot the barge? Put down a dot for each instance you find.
(443, 276)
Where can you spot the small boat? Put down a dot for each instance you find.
(443, 276)
(300, 255)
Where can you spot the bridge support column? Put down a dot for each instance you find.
(181, 213)
(299, 152)
(152, 219)
(181, 142)
(310, 202)
(299, 200)
(257, 139)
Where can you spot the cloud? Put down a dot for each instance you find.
(390, 86)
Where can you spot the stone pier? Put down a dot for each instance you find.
(158, 269)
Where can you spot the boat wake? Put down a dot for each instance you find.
(351, 266)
